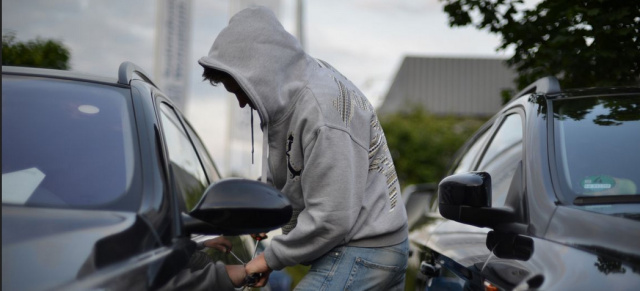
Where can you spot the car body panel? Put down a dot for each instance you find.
(41, 239)
(84, 249)
(561, 267)
(594, 231)
(568, 247)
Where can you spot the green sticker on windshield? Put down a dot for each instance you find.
(598, 183)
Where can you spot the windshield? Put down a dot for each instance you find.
(597, 148)
(66, 143)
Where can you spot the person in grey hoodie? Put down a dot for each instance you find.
(325, 150)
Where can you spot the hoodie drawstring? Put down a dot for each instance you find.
(251, 136)
(265, 154)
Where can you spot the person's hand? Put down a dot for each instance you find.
(259, 266)
(259, 236)
(236, 274)
(220, 243)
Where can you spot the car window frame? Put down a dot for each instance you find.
(479, 138)
(519, 110)
(213, 173)
(176, 196)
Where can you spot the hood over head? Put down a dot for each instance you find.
(268, 63)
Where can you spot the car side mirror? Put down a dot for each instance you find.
(510, 246)
(466, 198)
(238, 206)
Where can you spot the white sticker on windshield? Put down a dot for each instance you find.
(18, 186)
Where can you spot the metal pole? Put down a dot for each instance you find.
(300, 21)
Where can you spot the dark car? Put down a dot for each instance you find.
(104, 182)
(544, 196)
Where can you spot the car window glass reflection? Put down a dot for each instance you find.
(465, 163)
(188, 173)
(65, 144)
(502, 156)
(595, 144)
(205, 158)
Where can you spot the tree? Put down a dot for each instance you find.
(585, 43)
(40, 53)
(423, 145)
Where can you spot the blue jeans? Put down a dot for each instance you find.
(356, 268)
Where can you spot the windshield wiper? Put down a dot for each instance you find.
(610, 199)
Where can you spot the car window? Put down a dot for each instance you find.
(67, 144)
(207, 161)
(502, 156)
(465, 164)
(188, 174)
(597, 148)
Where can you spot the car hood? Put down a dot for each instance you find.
(44, 248)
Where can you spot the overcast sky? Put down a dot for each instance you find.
(365, 39)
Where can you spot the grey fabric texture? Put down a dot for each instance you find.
(326, 150)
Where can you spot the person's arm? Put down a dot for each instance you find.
(215, 276)
(219, 243)
(333, 183)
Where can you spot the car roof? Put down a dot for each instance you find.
(59, 74)
(592, 92)
(549, 88)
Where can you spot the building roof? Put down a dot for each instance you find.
(449, 86)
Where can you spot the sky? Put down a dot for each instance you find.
(364, 39)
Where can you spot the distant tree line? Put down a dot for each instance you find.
(39, 53)
(423, 145)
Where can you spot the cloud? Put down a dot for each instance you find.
(410, 6)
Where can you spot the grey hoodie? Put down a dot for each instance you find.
(326, 150)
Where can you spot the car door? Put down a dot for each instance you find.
(461, 249)
(193, 171)
(441, 236)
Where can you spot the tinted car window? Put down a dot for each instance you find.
(466, 161)
(188, 173)
(66, 143)
(207, 161)
(597, 145)
(502, 156)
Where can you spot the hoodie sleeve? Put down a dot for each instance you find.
(333, 184)
(212, 277)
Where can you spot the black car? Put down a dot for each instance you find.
(546, 195)
(104, 182)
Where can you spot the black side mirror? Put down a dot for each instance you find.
(510, 246)
(238, 206)
(466, 198)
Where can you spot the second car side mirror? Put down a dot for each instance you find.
(466, 198)
(510, 246)
(238, 206)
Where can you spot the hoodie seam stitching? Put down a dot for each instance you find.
(315, 98)
(291, 108)
(339, 129)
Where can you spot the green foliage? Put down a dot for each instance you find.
(585, 43)
(39, 53)
(423, 145)
(297, 272)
